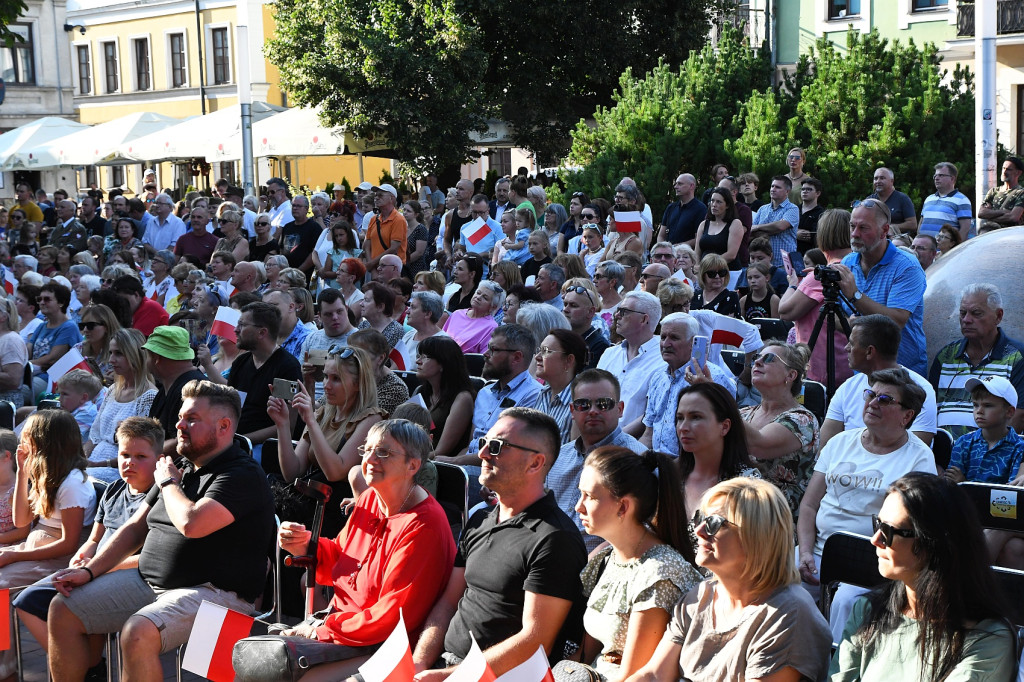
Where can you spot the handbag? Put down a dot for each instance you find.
(276, 658)
(574, 671)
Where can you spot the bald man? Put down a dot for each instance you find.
(244, 277)
(682, 217)
(653, 275)
(460, 216)
(389, 267)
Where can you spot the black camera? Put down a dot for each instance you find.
(826, 275)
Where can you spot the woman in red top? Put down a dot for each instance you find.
(396, 552)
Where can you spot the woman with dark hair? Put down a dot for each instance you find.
(125, 236)
(27, 243)
(416, 250)
(573, 227)
(52, 340)
(514, 298)
(333, 247)
(378, 305)
(561, 356)
(467, 271)
(721, 232)
(448, 393)
(636, 504)
(947, 239)
(938, 616)
(28, 310)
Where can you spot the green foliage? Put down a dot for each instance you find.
(489, 180)
(347, 185)
(10, 10)
(669, 122)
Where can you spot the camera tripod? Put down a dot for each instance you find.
(830, 310)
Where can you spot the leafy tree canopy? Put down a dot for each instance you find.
(424, 73)
(10, 10)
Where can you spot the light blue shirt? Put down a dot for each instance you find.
(488, 242)
(784, 241)
(663, 397)
(164, 236)
(897, 281)
(492, 400)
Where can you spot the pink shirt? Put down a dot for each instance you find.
(804, 327)
(472, 334)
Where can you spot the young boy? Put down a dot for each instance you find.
(760, 250)
(140, 442)
(993, 453)
(78, 390)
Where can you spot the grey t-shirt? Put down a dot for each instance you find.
(785, 630)
(117, 505)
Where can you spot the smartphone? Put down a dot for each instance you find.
(794, 262)
(700, 350)
(316, 356)
(284, 389)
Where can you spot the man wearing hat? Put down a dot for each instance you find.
(1004, 205)
(388, 232)
(170, 361)
(362, 189)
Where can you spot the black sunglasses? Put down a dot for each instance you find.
(223, 221)
(883, 399)
(580, 290)
(712, 523)
(89, 326)
(602, 404)
(493, 446)
(888, 531)
(717, 273)
(263, 223)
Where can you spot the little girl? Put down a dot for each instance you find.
(9, 533)
(591, 248)
(761, 301)
(62, 501)
(340, 250)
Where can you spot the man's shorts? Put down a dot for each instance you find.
(105, 604)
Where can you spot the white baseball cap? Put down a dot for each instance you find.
(387, 188)
(148, 171)
(997, 386)
(365, 186)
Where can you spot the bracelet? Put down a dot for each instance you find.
(92, 576)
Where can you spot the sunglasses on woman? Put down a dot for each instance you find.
(769, 358)
(712, 522)
(721, 274)
(89, 326)
(262, 223)
(888, 531)
(343, 352)
(883, 399)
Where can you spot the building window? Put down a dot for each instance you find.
(178, 76)
(140, 49)
(91, 177)
(84, 70)
(840, 9)
(116, 176)
(17, 65)
(110, 66)
(227, 171)
(501, 161)
(920, 5)
(221, 56)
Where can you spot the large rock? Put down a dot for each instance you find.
(995, 258)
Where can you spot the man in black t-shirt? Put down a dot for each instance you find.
(525, 545)
(298, 238)
(205, 532)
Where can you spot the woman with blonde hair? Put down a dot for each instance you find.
(715, 293)
(263, 244)
(329, 446)
(234, 240)
(429, 281)
(291, 277)
(13, 354)
(131, 396)
(750, 619)
(98, 326)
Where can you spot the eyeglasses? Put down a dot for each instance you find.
(380, 453)
(769, 358)
(712, 523)
(544, 351)
(491, 350)
(89, 326)
(224, 221)
(621, 312)
(942, 175)
(602, 404)
(493, 446)
(649, 275)
(882, 399)
(889, 532)
(580, 290)
(262, 223)
(720, 274)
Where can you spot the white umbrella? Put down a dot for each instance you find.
(194, 138)
(32, 135)
(295, 132)
(87, 147)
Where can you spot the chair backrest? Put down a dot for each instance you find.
(942, 447)
(816, 399)
(734, 360)
(49, 404)
(846, 558)
(772, 328)
(475, 364)
(996, 505)
(244, 443)
(453, 491)
(7, 414)
(410, 379)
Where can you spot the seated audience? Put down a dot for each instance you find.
(391, 390)
(78, 390)
(447, 392)
(471, 327)
(562, 354)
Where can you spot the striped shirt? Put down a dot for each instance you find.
(558, 407)
(785, 241)
(948, 210)
(951, 369)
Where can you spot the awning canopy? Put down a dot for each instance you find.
(32, 135)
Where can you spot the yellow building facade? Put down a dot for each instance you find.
(174, 57)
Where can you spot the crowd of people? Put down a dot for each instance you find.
(641, 501)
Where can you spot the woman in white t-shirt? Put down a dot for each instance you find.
(857, 466)
(13, 354)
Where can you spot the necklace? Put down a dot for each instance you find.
(406, 500)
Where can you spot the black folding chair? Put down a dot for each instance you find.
(772, 328)
(815, 399)
(410, 379)
(475, 364)
(453, 494)
(7, 414)
(734, 360)
(846, 558)
(997, 505)
(244, 443)
(942, 448)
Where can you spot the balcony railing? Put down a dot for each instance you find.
(1009, 17)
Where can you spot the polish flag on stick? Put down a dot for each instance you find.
(224, 323)
(393, 660)
(474, 667)
(213, 637)
(10, 281)
(69, 361)
(628, 221)
(476, 231)
(533, 669)
(5, 619)
(729, 331)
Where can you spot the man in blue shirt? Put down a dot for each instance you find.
(485, 241)
(681, 219)
(880, 279)
(778, 220)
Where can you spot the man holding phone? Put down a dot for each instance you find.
(681, 366)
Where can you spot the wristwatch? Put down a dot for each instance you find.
(857, 295)
(167, 481)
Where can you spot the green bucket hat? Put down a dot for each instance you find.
(170, 342)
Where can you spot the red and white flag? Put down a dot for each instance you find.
(628, 221)
(5, 619)
(393, 660)
(476, 231)
(69, 361)
(729, 331)
(224, 323)
(10, 281)
(213, 637)
(397, 359)
(474, 667)
(534, 669)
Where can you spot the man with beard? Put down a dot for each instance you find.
(516, 575)
(204, 531)
(254, 370)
